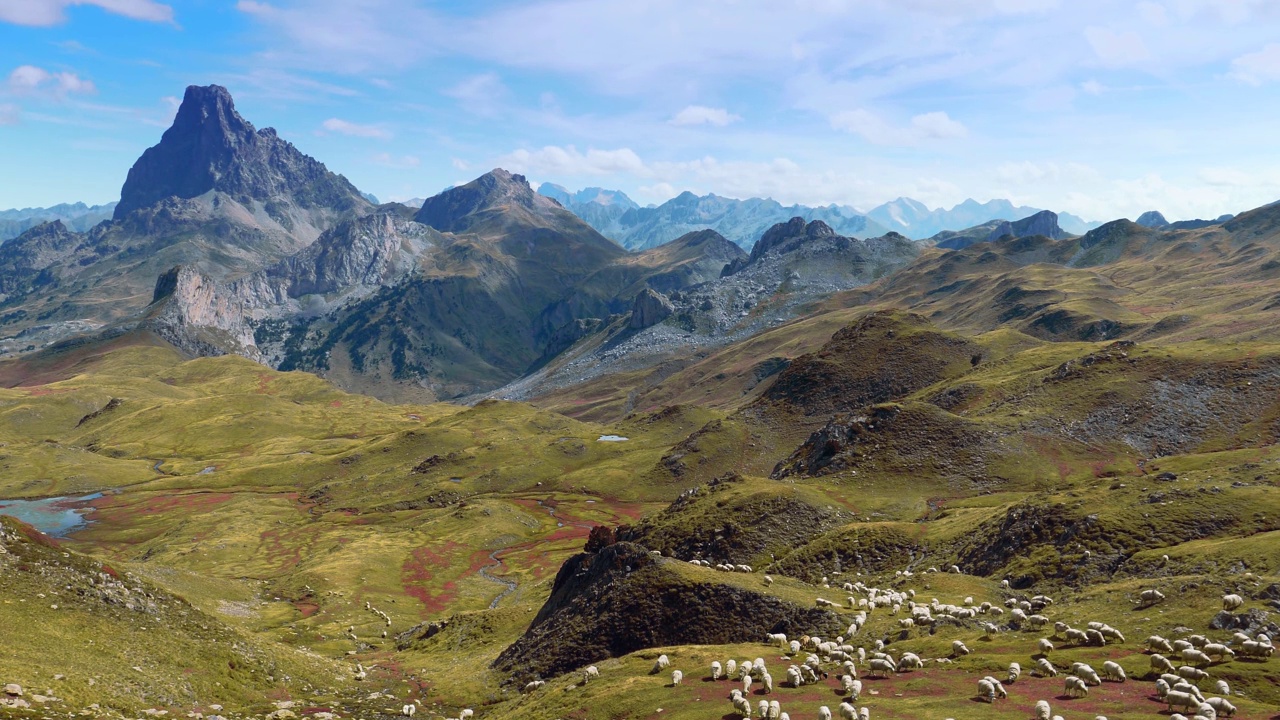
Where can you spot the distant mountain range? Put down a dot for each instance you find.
(617, 216)
(76, 216)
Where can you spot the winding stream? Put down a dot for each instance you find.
(510, 584)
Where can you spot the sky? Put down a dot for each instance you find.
(1101, 108)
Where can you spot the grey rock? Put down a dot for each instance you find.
(649, 309)
(1152, 219)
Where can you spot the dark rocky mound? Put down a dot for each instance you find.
(727, 520)
(861, 547)
(211, 147)
(1152, 219)
(1043, 223)
(622, 599)
(882, 357)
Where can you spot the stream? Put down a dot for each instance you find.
(510, 584)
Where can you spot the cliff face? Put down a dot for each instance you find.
(1043, 223)
(198, 316)
(211, 147)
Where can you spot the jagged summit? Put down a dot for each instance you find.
(211, 147)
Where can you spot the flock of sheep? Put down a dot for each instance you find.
(1177, 686)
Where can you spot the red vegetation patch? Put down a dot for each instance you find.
(421, 567)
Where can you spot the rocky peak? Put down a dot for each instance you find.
(198, 315)
(650, 308)
(1152, 219)
(1043, 223)
(454, 210)
(793, 231)
(211, 147)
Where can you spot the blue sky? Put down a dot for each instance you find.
(1100, 108)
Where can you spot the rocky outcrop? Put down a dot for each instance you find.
(210, 147)
(1152, 219)
(622, 599)
(199, 316)
(649, 309)
(1043, 223)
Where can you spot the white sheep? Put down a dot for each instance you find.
(986, 691)
(1075, 687)
(742, 706)
(1045, 646)
(1191, 655)
(881, 667)
(662, 663)
(1255, 648)
(408, 710)
(775, 710)
(1183, 700)
(763, 707)
(1192, 673)
(958, 648)
(1221, 705)
(768, 581)
(1155, 642)
(824, 713)
(794, 647)
(864, 713)
(1000, 691)
(1113, 671)
(1160, 663)
(746, 684)
(676, 677)
(1222, 687)
(530, 687)
(1042, 710)
(767, 680)
(731, 668)
(716, 670)
(1205, 712)
(1218, 651)
(1046, 668)
(1015, 672)
(1150, 597)
(848, 712)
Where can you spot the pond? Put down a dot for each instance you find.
(612, 438)
(55, 516)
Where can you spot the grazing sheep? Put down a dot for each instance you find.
(1045, 646)
(1160, 663)
(1015, 672)
(1110, 632)
(881, 667)
(824, 713)
(1222, 687)
(1222, 706)
(768, 581)
(534, 685)
(1162, 688)
(864, 713)
(1205, 712)
(676, 677)
(1191, 655)
(591, 673)
(1191, 673)
(958, 648)
(910, 661)
(1232, 602)
(1218, 651)
(1000, 691)
(848, 712)
(986, 691)
(1112, 671)
(780, 638)
(1183, 685)
(1060, 628)
(1075, 687)
(662, 663)
(1255, 648)
(1079, 637)
(1150, 597)
(794, 678)
(1046, 668)
(466, 713)
(1042, 710)
(1155, 642)
(852, 688)
(1088, 674)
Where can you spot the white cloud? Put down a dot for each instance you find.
(1259, 67)
(29, 79)
(1092, 87)
(402, 162)
(1117, 48)
(343, 127)
(43, 13)
(480, 94)
(877, 131)
(460, 164)
(568, 161)
(702, 115)
(10, 114)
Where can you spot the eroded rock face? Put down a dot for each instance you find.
(650, 308)
(1043, 223)
(211, 147)
(197, 315)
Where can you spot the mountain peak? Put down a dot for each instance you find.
(211, 147)
(457, 209)
(1152, 219)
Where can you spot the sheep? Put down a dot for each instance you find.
(1036, 621)
(1155, 642)
(1042, 710)
(1222, 687)
(1075, 687)
(1218, 651)
(1232, 601)
(1079, 637)
(1095, 637)
(1197, 641)
(864, 713)
(881, 667)
(851, 687)
(408, 710)
(534, 685)
(1015, 672)
(1162, 688)
(662, 663)
(1255, 648)
(1205, 712)
(1180, 645)
(986, 691)
(763, 707)
(466, 713)
(1222, 706)
(954, 569)
(1191, 673)
(1161, 663)
(958, 648)
(824, 713)
(848, 712)
(742, 706)
(1046, 668)
(1110, 632)
(1060, 628)
(910, 661)
(1088, 674)
(906, 623)
(1112, 671)
(730, 668)
(746, 684)
(1185, 686)
(1147, 598)
(1045, 646)
(794, 678)
(794, 647)
(1000, 691)
(591, 673)
(775, 710)
(767, 680)
(676, 677)
(780, 638)
(768, 581)
(1196, 657)
(715, 670)
(989, 630)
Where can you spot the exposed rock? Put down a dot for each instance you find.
(650, 308)
(1043, 223)
(13, 690)
(194, 313)
(1152, 219)
(211, 147)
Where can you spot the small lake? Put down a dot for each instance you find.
(55, 516)
(611, 438)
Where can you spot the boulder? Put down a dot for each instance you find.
(650, 308)
(13, 690)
